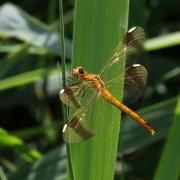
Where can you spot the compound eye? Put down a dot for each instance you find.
(81, 70)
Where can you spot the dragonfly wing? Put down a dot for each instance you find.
(68, 97)
(134, 44)
(134, 83)
(85, 123)
(78, 129)
(130, 46)
(71, 95)
(135, 75)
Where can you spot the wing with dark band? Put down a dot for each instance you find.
(85, 123)
(134, 83)
(78, 127)
(130, 46)
(134, 44)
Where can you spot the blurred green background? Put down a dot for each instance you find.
(31, 145)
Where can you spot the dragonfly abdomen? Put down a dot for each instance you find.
(110, 98)
(97, 83)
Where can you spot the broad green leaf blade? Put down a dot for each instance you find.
(169, 164)
(98, 27)
(15, 23)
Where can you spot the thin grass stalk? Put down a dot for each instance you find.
(65, 111)
(52, 10)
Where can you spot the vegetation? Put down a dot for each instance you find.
(31, 144)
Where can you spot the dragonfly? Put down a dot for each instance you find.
(89, 89)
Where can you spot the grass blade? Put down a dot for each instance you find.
(164, 41)
(133, 137)
(65, 110)
(32, 31)
(169, 165)
(25, 78)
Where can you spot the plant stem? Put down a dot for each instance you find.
(65, 112)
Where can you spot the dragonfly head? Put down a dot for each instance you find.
(78, 72)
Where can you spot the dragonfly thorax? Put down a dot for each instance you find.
(96, 82)
(80, 74)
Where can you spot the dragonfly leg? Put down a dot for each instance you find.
(69, 81)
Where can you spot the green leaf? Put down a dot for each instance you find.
(51, 166)
(97, 30)
(25, 78)
(169, 164)
(15, 23)
(14, 47)
(18, 146)
(163, 41)
(133, 137)
(2, 175)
